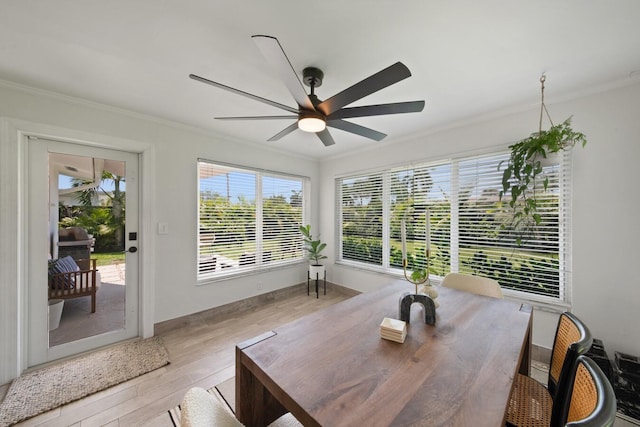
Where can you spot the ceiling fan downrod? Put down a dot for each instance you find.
(312, 121)
(312, 77)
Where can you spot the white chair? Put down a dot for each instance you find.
(200, 408)
(474, 284)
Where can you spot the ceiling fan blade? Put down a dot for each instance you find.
(357, 129)
(378, 110)
(371, 84)
(257, 118)
(283, 132)
(243, 93)
(273, 52)
(325, 137)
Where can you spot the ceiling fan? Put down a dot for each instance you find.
(314, 115)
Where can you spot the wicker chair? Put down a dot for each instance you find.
(531, 403)
(474, 284)
(591, 402)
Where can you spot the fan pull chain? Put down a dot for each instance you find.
(542, 106)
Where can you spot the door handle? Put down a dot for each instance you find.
(133, 249)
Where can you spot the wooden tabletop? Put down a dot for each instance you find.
(331, 368)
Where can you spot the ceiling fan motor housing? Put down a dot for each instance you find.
(312, 77)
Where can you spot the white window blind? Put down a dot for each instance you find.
(414, 191)
(248, 219)
(487, 248)
(467, 224)
(282, 214)
(361, 219)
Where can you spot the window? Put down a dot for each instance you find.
(467, 224)
(248, 219)
(362, 219)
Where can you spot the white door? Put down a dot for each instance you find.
(44, 243)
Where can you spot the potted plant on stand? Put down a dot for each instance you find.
(314, 250)
(523, 178)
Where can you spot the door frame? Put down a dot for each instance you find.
(16, 133)
(43, 182)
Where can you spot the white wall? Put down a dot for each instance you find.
(176, 257)
(172, 182)
(606, 203)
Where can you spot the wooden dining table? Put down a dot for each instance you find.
(332, 368)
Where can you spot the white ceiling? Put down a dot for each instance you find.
(467, 57)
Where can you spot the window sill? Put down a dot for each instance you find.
(234, 274)
(391, 272)
(556, 307)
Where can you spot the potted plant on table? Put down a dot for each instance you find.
(523, 178)
(314, 250)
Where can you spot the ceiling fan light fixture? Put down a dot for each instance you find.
(311, 122)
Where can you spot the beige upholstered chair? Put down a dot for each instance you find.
(474, 284)
(200, 408)
(533, 404)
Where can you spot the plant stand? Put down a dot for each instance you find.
(317, 279)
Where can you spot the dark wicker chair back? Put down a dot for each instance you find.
(572, 339)
(533, 405)
(592, 401)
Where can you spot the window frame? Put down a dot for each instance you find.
(258, 265)
(561, 302)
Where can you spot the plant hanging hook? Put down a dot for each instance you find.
(542, 106)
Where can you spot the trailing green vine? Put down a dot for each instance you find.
(522, 175)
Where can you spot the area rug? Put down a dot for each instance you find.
(48, 388)
(226, 392)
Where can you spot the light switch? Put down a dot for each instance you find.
(163, 228)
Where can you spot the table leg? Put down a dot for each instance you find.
(525, 362)
(255, 405)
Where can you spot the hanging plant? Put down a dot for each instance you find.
(523, 177)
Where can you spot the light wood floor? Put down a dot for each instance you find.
(202, 353)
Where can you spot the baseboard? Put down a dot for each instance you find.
(245, 304)
(541, 354)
